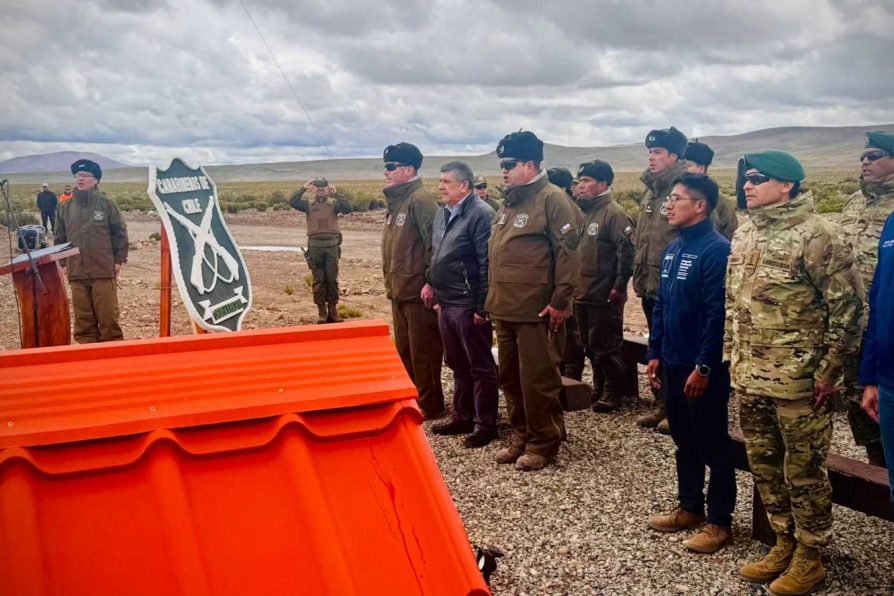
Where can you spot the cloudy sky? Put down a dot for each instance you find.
(144, 80)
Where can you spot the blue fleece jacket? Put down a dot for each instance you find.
(687, 323)
(877, 367)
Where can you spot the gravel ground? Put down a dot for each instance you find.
(578, 526)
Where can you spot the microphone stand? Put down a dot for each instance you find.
(38, 281)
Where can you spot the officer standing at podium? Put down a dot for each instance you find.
(92, 223)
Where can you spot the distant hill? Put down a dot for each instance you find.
(817, 147)
(55, 162)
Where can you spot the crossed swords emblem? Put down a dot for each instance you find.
(202, 239)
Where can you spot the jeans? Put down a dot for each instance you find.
(886, 422)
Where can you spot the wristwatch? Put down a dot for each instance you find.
(703, 369)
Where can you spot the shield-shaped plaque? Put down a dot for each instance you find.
(210, 271)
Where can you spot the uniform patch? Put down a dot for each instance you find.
(502, 219)
(565, 229)
(592, 229)
(401, 219)
(521, 220)
(663, 210)
(98, 216)
(628, 230)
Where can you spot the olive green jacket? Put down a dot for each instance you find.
(606, 249)
(93, 223)
(534, 261)
(794, 302)
(406, 242)
(863, 217)
(653, 233)
(724, 217)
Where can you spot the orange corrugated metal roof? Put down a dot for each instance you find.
(134, 468)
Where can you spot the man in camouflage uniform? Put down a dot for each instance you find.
(794, 308)
(481, 193)
(699, 157)
(534, 266)
(606, 264)
(406, 258)
(863, 218)
(653, 234)
(323, 243)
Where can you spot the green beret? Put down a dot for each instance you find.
(880, 140)
(776, 164)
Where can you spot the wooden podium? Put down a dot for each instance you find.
(43, 308)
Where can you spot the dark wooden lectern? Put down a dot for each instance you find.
(43, 308)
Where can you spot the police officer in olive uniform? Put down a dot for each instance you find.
(863, 219)
(653, 233)
(93, 223)
(406, 258)
(481, 193)
(699, 157)
(606, 264)
(323, 243)
(534, 264)
(794, 309)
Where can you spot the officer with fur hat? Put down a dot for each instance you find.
(794, 310)
(482, 193)
(92, 223)
(406, 258)
(534, 264)
(323, 243)
(699, 157)
(863, 218)
(666, 150)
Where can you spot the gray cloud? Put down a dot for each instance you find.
(141, 79)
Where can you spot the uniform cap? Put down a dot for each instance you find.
(480, 181)
(597, 170)
(880, 140)
(775, 164)
(405, 153)
(522, 145)
(699, 153)
(669, 138)
(86, 165)
(561, 177)
(320, 182)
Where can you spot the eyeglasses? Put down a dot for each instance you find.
(673, 199)
(508, 164)
(873, 155)
(480, 186)
(757, 179)
(393, 165)
(82, 175)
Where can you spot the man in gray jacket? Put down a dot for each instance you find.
(459, 267)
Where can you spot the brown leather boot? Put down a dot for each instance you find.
(323, 314)
(609, 402)
(675, 520)
(663, 427)
(531, 461)
(710, 539)
(805, 572)
(333, 313)
(652, 419)
(511, 453)
(774, 562)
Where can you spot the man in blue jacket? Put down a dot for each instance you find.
(685, 354)
(877, 369)
(458, 278)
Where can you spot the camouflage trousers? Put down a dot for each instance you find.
(787, 442)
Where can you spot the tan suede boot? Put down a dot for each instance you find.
(322, 314)
(710, 540)
(509, 454)
(774, 562)
(805, 572)
(531, 461)
(675, 520)
(651, 419)
(663, 427)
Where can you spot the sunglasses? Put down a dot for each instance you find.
(873, 155)
(393, 165)
(508, 164)
(757, 179)
(481, 186)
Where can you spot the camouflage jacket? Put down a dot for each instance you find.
(653, 233)
(863, 218)
(794, 303)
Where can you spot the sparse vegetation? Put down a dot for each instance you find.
(309, 280)
(289, 290)
(349, 312)
(155, 236)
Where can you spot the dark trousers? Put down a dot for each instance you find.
(699, 428)
(648, 307)
(418, 341)
(48, 216)
(572, 364)
(529, 377)
(467, 350)
(323, 264)
(602, 330)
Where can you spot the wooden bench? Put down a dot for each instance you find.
(855, 484)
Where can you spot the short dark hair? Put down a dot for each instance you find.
(703, 185)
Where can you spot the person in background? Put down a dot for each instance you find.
(46, 203)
